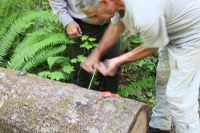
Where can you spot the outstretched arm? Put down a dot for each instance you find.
(109, 67)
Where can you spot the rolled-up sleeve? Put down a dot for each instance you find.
(59, 8)
(116, 18)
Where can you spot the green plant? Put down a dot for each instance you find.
(87, 45)
(29, 38)
(141, 90)
(138, 78)
(19, 26)
(60, 68)
(29, 55)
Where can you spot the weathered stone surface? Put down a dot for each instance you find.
(33, 104)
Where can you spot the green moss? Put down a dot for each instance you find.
(63, 104)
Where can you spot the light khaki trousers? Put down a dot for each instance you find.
(177, 90)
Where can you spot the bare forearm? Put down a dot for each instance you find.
(109, 38)
(139, 52)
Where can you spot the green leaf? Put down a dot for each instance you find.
(57, 60)
(141, 63)
(45, 74)
(74, 60)
(94, 44)
(124, 93)
(136, 40)
(68, 69)
(81, 58)
(85, 44)
(57, 76)
(84, 37)
(89, 47)
(1, 105)
(92, 39)
(150, 94)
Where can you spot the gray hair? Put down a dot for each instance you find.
(85, 4)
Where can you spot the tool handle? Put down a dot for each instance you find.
(108, 94)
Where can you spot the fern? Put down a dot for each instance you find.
(29, 38)
(131, 89)
(5, 8)
(32, 38)
(57, 60)
(42, 56)
(6, 23)
(142, 90)
(12, 8)
(20, 25)
(58, 74)
(31, 50)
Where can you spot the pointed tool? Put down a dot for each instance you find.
(92, 78)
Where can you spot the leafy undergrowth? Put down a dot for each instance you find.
(138, 78)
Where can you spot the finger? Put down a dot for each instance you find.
(76, 34)
(73, 32)
(86, 68)
(100, 68)
(79, 30)
(96, 65)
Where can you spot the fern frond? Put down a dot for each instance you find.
(132, 88)
(42, 56)
(20, 25)
(31, 38)
(5, 4)
(57, 60)
(30, 50)
(9, 7)
(5, 23)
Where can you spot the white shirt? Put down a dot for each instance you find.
(162, 21)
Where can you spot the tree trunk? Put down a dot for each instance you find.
(32, 104)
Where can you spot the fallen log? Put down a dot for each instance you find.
(31, 104)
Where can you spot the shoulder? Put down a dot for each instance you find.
(146, 12)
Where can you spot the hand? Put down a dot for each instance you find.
(89, 63)
(107, 67)
(74, 30)
(91, 60)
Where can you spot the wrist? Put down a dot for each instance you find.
(117, 62)
(96, 53)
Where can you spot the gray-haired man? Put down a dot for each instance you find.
(77, 24)
(174, 27)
